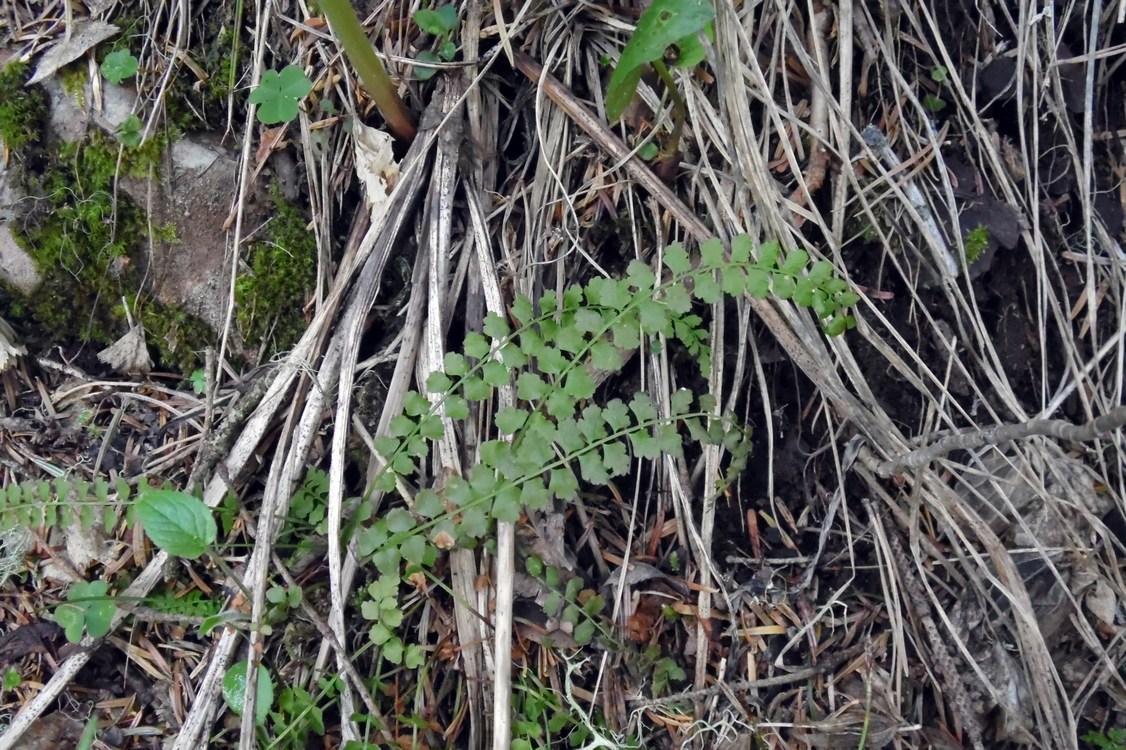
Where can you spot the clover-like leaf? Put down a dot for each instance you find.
(119, 65)
(180, 524)
(663, 23)
(278, 94)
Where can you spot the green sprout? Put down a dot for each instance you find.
(441, 23)
(130, 131)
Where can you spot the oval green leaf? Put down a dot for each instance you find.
(665, 22)
(178, 523)
(234, 690)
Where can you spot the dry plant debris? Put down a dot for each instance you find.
(924, 550)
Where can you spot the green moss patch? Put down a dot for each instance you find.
(23, 111)
(279, 272)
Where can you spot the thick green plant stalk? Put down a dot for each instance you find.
(342, 17)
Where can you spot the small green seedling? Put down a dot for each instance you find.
(664, 24)
(442, 23)
(1114, 739)
(278, 94)
(118, 66)
(940, 75)
(87, 608)
(130, 131)
(199, 382)
(234, 690)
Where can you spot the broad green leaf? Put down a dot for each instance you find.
(588, 320)
(234, 690)
(676, 259)
(415, 405)
(570, 339)
(605, 356)
(563, 483)
(654, 317)
(476, 389)
(640, 275)
(431, 428)
(677, 298)
(579, 384)
(522, 310)
(438, 382)
(506, 505)
(642, 407)
(510, 419)
(795, 262)
(768, 254)
(590, 463)
(494, 373)
(711, 254)
(474, 524)
(413, 550)
(534, 494)
(428, 504)
(456, 407)
(402, 425)
(734, 281)
(616, 415)
(455, 365)
(681, 401)
(758, 283)
(663, 23)
(741, 247)
(707, 290)
(476, 345)
(615, 458)
(531, 387)
(552, 361)
(495, 326)
(180, 524)
(399, 520)
(441, 21)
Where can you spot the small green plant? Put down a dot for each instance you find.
(1113, 739)
(940, 75)
(279, 94)
(198, 380)
(977, 239)
(131, 131)
(664, 24)
(12, 679)
(88, 609)
(665, 670)
(119, 65)
(440, 22)
(234, 690)
(570, 604)
(556, 433)
(298, 715)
